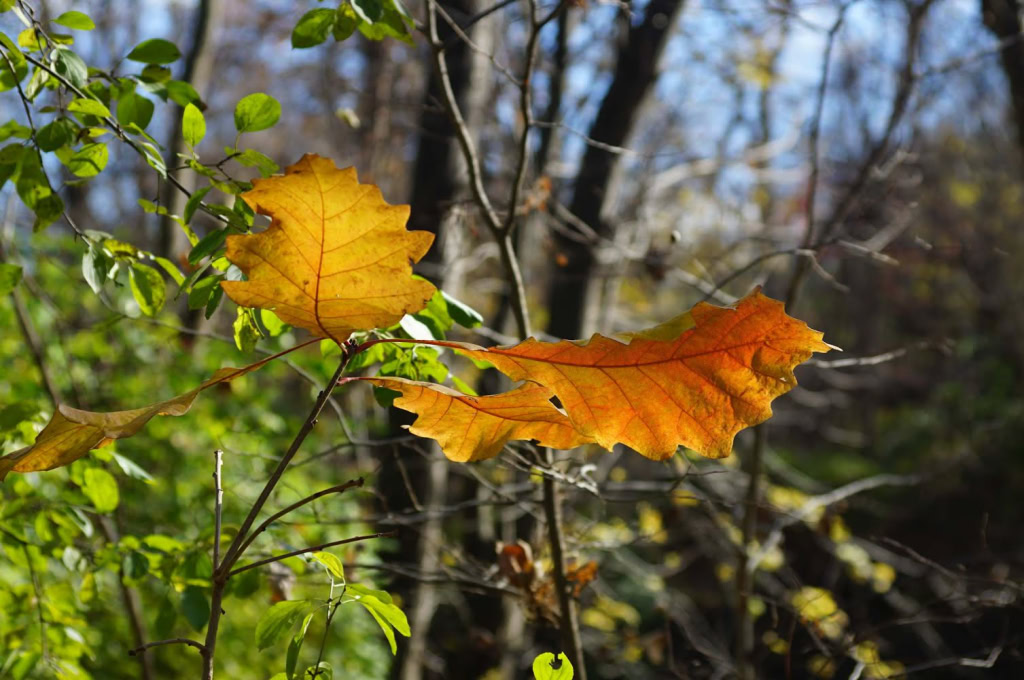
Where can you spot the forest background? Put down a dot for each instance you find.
(860, 160)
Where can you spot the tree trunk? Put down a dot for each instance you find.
(438, 178)
(635, 74)
(1002, 17)
(199, 62)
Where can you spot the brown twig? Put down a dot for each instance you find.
(223, 571)
(340, 488)
(173, 641)
(315, 548)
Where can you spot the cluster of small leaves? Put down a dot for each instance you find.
(79, 108)
(414, 362)
(375, 19)
(278, 622)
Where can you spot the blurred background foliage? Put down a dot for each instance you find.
(862, 160)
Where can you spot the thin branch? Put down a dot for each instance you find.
(461, 130)
(172, 641)
(815, 503)
(340, 488)
(315, 548)
(218, 504)
(223, 571)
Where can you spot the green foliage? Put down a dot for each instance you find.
(193, 125)
(375, 19)
(10, 275)
(155, 51)
(279, 620)
(256, 112)
(75, 20)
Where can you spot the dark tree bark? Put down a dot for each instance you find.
(1002, 17)
(198, 70)
(437, 180)
(635, 74)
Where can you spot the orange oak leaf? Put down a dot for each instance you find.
(72, 433)
(335, 259)
(716, 376)
(476, 428)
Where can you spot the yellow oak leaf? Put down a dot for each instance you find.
(72, 433)
(477, 428)
(718, 375)
(335, 259)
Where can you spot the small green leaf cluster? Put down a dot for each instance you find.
(107, 261)
(415, 362)
(278, 622)
(375, 19)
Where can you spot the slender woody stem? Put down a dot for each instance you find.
(222, 572)
(340, 488)
(314, 548)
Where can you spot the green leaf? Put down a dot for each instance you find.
(171, 269)
(390, 611)
(392, 23)
(361, 591)
(135, 565)
(31, 40)
(36, 83)
(183, 94)
(250, 158)
(211, 304)
(13, 128)
(346, 22)
(88, 161)
(332, 563)
(151, 73)
(8, 77)
(415, 328)
(155, 51)
(71, 66)
(75, 21)
(207, 245)
(388, 632)
(543, 670)
(461, 313)
(193, 125)
(256, 112)
(295, 646)
(272, 323)
(278, 621)
(131, 469)
(321, 671)
(89, 107)
(100, 487)
(368, 10)
(148, 288)
(95, 266)
(247, 333)
(54, 135)
(313, 28)
(193, 203)
(10, 275)
(195, 606)
(134, 108)
(202, 291)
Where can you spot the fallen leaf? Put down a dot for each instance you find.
(335, 259)
(477, 428)
(72, 433)
(718, 375)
